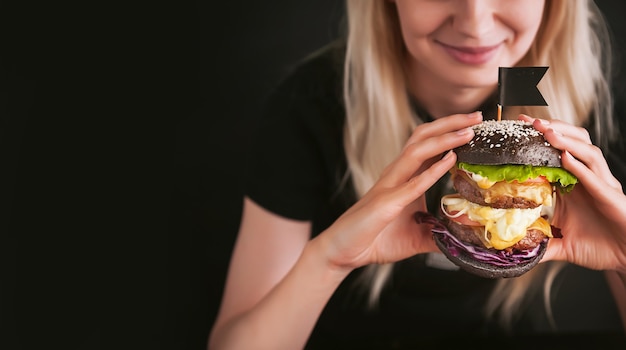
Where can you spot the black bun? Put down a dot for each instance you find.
(508, 142)
(482, 269)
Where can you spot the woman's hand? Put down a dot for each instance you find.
(380, 227)
(592, 217)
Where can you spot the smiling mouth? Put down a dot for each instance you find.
(471, 55)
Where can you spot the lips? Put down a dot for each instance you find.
(471, 55)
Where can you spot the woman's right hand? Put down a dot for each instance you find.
(380, 227)
(275, 267)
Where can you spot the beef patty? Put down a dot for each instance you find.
(469, 234)
(502, 195)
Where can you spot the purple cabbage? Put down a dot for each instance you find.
(486, 255)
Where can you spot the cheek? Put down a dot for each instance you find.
(420, 19)
(526, 26)
(418, 28)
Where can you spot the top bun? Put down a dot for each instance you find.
(508, 142)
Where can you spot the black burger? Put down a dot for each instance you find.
(496, 225)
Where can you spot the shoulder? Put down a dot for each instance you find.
(296, 144)
(318, 75)
(308, 101)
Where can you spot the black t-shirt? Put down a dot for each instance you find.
(296, 169)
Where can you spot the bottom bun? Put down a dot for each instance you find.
(482, 269)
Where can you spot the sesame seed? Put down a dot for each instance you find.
(500, 131)
(515, 128)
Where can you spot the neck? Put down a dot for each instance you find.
(457, 99)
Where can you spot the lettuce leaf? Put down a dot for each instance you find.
(521, 173)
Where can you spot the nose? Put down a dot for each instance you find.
(474, 18)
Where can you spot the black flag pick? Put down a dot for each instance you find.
(517, 86)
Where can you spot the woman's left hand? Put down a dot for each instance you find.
(592, 217)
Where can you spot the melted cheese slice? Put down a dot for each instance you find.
(481, 181)
(503, 227)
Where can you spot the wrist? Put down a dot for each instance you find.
(319, 251)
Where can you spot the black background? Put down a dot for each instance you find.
(122, 134)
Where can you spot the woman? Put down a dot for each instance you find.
(336, 177)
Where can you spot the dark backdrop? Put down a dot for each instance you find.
(121, 139)
(122, 134)
(254, 48)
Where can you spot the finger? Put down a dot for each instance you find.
(419, 184)
(415, 187)
(555, 251)
(589, 155)
(596, 185)
(384, 183)
(444, 125)
(387, 204)
(416, 155)
(526, 118)
(572, 131)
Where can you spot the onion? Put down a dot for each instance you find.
(452, 200)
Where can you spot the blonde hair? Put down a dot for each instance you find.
(572, 40)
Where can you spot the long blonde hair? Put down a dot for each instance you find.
(572, 40)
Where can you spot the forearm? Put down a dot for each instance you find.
(617, 284)
(285, 317)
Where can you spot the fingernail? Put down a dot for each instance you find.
(556, 132)
(464, 131)
(475, 114)
(544, 122)
(448, 155)
(567, 155)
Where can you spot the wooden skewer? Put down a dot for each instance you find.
(499, 112)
